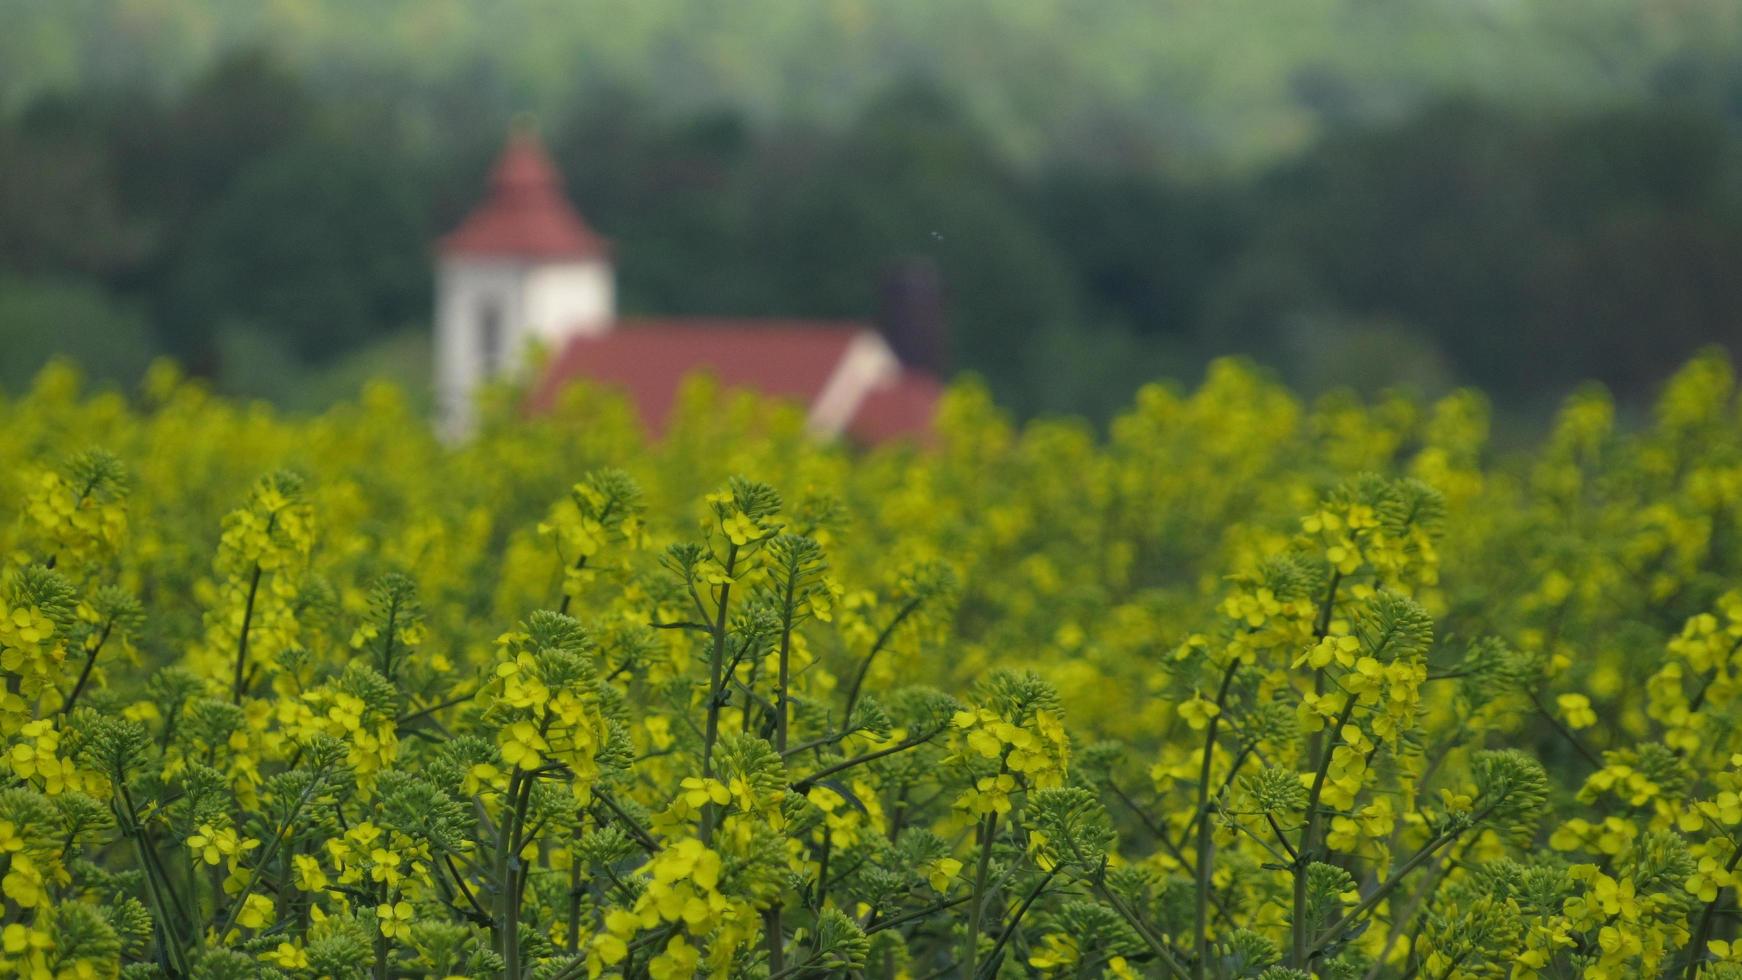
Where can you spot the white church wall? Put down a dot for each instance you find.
(569, 299)
(491, 312)
(475, 297)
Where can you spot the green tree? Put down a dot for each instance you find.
(41, 319)
(321, 244)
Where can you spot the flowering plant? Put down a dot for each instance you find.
(1250, 688)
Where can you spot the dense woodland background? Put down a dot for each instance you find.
(1354, 192)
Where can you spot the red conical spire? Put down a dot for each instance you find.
(526, 213)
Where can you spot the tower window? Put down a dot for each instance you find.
(490, 338)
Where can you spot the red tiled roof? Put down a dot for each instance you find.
(649, 359)
(526, 213)
(901, 410)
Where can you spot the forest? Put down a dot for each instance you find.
(264, 212)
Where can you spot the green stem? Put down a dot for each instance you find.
(773, 934)
(785, 677)
(1227, 781)
(925, 913)
(511, 874)
(1565, 732)
(314, 786)
(382, 947)
(573, 938)
(465, 890)
(775, 938)
(988, 830)
(865, 665)
(1697, 951)
(1282, 838)
(387, 641)
(166, 908)
(1322, 625)
(504, 885)
(508, 845)
(90, 662)
(1155, 830)
(1144, 932)
(990, 967)
(716, 686)
(1309, 838)
(1206, 844)
(634, 829)
(242, 640)
(1390, 885)
(423, 713)
(817, 743)
(1401, 922)
(859, 760)
(580, 563)
(822, 892)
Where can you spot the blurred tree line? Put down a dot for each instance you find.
(276, 236)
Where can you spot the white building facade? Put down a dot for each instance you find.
(522, 271)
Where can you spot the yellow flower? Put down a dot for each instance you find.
(741, 529)
(678, 960)
(24, 883)
(384, 866)
(287, 957)
(480, 776)
(1709, 879)
(1344, 555)
(608, 948)
(985, 743)
(256, 912)
(1056, 951)
(991, 794)
(17, 939)
(1576, 710)
(699, 792)
(308, 874)
(214, 844)
(1198, 711)
(1339, 649)
(522, 745)
(395, 919)
(940, 872)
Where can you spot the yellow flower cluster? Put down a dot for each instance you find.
(1247, 687)
(76, 513)
(1027, 751)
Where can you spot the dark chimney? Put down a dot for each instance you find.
(910, 313)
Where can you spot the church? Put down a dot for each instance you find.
(525, 269)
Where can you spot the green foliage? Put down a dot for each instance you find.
(266, 218)
(44, 319)
(404, 709)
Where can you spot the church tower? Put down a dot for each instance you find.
(522, 268)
